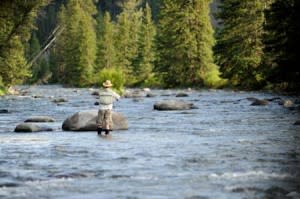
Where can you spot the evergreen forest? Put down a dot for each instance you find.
(249, 44)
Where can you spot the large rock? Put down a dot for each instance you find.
(134, 94)
(169, 105)
(40, 119)
(30, 127)
(86, 121)
(297, 122)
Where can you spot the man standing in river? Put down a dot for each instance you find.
(106, 98)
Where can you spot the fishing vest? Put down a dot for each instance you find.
(106, 97)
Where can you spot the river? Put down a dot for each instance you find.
(224, 149)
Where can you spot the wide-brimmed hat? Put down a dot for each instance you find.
(107, 83)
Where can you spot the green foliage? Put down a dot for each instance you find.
(212, 79)
(128, 44)
(281, 41)
(2, 87)
(16, 22)
(185, 41)
(239, 48)
(115, 76)
(76, 47)
(153, 81)
(106, 56)
(40, 71)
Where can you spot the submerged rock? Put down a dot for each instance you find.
(96, 93)
(40, 119)
(273, 99)
(297, 101)
(182, 95)
(60, 100)
(86, 121)
(151, 95)
(168, 105)
(275, 192)
(293, 195)
(30, 127)
(38, 96)
(3, 111)
(251, 99)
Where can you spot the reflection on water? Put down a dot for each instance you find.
(224, 149)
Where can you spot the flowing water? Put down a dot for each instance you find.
(224, 149)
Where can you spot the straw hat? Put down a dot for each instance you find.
(107, 84)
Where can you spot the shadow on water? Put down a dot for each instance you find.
(224, 149)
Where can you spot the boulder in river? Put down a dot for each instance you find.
(288, 103)
(134, 94)
(30, 127)
(40, 119)
(86, 121)
(168, 105)
(146, 89)
(258, 102)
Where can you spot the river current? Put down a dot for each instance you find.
(224, 149)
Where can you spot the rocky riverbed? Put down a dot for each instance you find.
(219, 144)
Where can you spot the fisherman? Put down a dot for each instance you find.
(106, 99)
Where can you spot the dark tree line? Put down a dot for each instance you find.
(256, 44)
(281, 40)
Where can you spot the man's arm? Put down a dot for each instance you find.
(116, 95)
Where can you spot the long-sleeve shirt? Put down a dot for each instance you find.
(109, 96)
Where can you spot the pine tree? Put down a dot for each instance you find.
(281, 43)
(106, 57)
(127, 36)
(78, 42)
(34, 46)
(239, 47)
(33, 49)
(146, 55)
(58, 54)
(185, 41)
(16, 23)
